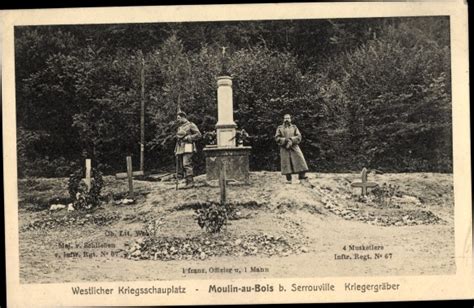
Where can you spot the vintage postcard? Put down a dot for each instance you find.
(223, 154)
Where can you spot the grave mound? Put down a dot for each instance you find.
(70, 220)
(204, 247)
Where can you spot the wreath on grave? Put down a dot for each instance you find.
(212, 217)
(84, 199)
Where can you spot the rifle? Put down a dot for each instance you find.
(176, 174)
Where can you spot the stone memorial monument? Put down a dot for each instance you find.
(225, 154)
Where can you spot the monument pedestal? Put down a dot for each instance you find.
(235, 160)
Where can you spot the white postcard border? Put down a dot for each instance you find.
(455, 286)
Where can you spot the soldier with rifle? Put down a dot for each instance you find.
(186, 136)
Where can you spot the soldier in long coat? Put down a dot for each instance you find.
(292, 160)
(186, 136)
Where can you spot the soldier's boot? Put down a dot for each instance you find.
(188, 184)
(182, 183)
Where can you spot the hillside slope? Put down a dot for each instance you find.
(284, 230)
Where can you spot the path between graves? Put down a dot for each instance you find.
(290, 230)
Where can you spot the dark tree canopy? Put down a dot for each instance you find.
(370, 93)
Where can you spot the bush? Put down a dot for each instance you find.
(44, 167)
(382, 195)
(398, 99)
(364, 93)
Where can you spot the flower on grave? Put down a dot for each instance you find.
(241, 137)
(383, 195)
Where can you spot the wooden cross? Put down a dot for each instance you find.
(126, 175)
(88, 173)
(222, 182)
(364, 184)
(130, 176)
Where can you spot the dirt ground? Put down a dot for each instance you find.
(413, 237)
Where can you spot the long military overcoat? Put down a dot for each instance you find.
(291, 158)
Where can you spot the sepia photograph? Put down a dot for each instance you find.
(224, 150)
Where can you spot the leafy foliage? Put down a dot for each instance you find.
(212, 217)
(383, 194)
(399, 111)
(372, 93)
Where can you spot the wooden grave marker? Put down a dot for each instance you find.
(88, 174)
(222, 183)
(364, 184)
(130, 176)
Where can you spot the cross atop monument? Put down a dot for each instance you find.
(224, 62)
(223, 50)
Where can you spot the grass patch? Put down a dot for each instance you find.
(37, 194)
